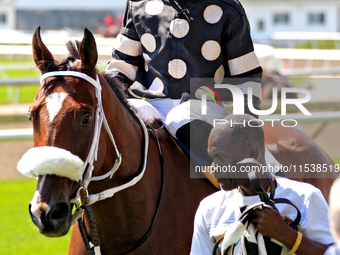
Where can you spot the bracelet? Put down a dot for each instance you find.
(297, 243)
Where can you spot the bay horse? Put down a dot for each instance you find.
(75, 159)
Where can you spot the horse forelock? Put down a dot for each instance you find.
(68, 64)
(73, 48)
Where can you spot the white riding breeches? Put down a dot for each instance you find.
(174, 114)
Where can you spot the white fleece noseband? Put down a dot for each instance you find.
(51, 160)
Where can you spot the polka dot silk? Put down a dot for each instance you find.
(180, 40)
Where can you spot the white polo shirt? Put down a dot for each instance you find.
(220, 209)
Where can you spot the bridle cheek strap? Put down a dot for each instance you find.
(88, 200)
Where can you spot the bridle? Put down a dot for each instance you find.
(88, 166)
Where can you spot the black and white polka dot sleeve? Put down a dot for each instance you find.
(241, 59)
(127, 51)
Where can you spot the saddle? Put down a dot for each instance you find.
(198, 162)
(196, 159)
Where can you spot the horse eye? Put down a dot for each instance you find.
(87, 119)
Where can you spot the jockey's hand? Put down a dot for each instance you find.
(269, 222)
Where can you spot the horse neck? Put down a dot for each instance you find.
(126, 208)
(127, 132)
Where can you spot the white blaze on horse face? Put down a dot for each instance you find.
(41, 184)
(35, 206)
(53, 103)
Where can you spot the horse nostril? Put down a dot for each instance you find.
(59, 211)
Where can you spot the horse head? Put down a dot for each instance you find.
(64, 115)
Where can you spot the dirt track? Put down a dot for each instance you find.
(11, 152)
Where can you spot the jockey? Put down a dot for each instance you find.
(164, 43)
(266, 230)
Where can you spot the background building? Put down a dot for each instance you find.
(7, 14)
(61, 14)
(269, 16)
(265, 16)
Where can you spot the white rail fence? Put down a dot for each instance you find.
(16, 134)
(324, 117)
(287, 62)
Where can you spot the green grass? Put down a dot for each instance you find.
(18, 235)
(26, 94)
(18, 69)
(16, 61)
(319, 44)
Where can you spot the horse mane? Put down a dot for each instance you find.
(120, 91)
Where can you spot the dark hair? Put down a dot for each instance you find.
(245, 130)
(119, 89)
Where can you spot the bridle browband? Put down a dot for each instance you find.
(92, 156)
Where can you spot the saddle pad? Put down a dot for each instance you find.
(199, 162)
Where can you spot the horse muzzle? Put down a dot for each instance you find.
(54, 219)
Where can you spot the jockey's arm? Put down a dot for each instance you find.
(244, 67)
(270, 223)
(127, 52)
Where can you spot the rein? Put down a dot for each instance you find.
(88, 167)
(92, 222)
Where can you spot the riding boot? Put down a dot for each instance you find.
(195, 136)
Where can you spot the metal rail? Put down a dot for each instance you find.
(12, 134)
(324, 117)
(18, 82)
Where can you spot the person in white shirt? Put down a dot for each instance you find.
(334, 217)
(230, 143)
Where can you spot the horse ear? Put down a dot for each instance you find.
(88, 51)
(40, 51)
